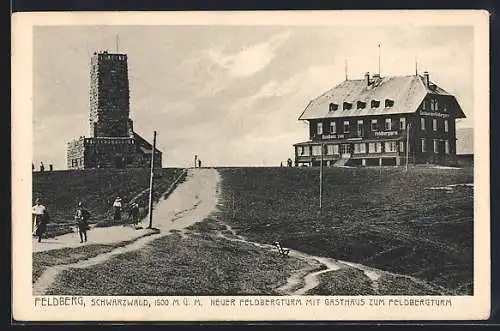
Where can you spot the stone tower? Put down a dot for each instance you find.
(113, 143)
(109, 96)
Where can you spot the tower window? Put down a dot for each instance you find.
(389, 103)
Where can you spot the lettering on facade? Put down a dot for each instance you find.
(386, 133)
(332, 136)
(434, 114)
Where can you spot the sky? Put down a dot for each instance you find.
(231, 94)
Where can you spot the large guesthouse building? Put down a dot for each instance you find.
(381, 121)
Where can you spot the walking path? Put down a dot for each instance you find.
(190, 202)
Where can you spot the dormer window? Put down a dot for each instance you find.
(389, 103)
(333, 107)
(375, 103)
(347, 105)
(360, 105)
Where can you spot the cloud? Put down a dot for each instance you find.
(250, 59)
(294, 90)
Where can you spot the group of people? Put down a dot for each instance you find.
(82, 215)
(41, 219)
(42, 167)
(133, 212)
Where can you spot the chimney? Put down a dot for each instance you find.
(367, 78)
(426, 76)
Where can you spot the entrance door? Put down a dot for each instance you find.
(345, 150)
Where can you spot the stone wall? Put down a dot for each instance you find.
(76, 154)
(110, 153)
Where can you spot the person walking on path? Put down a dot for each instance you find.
(82, 216)
(118, 209)
(199, 163)
(134, 212)
(41, 218)
(38, 211)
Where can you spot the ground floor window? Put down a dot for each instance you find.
(401, 146)
(332, 149)
(303, 150)
(374, 147)
(436, 146)
(316, 150)
(422, 145)
(390, 146)
(447, 147)
(360, 148)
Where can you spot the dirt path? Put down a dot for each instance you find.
(192, 201)
(198, 190)
(308, 278)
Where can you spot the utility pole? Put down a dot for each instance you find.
(321, 180)
(407, 144)
(151, 182)
(195, 160)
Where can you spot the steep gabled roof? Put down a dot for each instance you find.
(144, 145)
(406, 93)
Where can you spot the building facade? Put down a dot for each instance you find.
(381, 121)
(112, 142)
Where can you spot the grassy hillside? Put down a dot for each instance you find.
(97, 188)
(384, 218)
